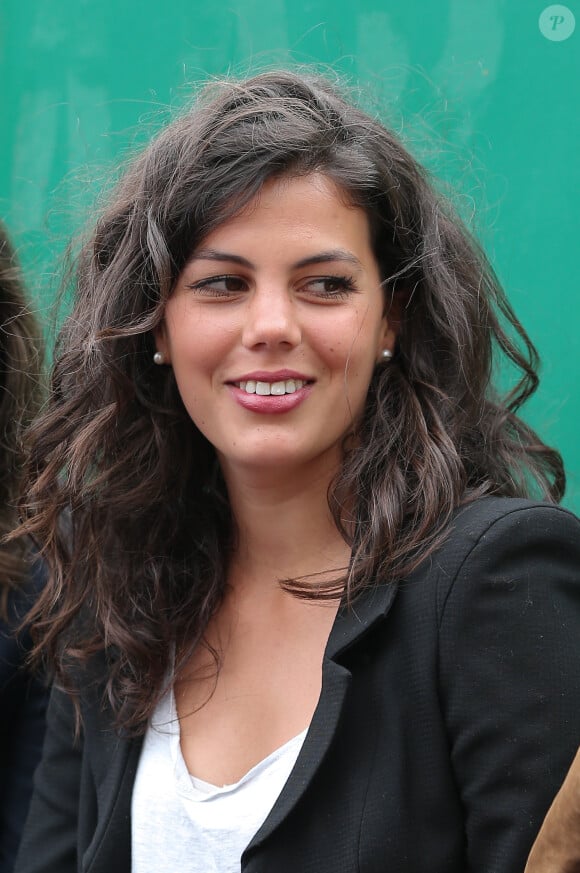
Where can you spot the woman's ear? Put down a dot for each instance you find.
(396, 300)
(388, 340)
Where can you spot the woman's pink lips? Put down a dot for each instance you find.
(270, 404)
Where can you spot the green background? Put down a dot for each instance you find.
(473, 86)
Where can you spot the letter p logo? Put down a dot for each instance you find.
(557, 23)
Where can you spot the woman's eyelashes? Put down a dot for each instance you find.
(232, 286)
(219, 286)
(330, 287)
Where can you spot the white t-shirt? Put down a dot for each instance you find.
(180, 823)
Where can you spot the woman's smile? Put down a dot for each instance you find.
(275, 326)
(271, 393)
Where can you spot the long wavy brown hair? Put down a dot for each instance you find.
(125, 496)
(21, 388)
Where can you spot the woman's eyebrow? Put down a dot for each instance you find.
(330, 255)
(216, 255)
(318, 258)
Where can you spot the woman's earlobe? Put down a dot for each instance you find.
(160, 355)
(388, 341)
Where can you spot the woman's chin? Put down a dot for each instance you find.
(280, 462)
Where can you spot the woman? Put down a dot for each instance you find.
(301, 614)
(22, 698)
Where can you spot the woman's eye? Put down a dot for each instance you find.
(219, 286)
(330, 287)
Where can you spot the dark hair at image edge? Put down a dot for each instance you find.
(143, 559)
(20, 382)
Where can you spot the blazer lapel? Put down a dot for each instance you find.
(110, 849)
(112, 763)
(350, 626)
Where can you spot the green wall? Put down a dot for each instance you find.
(476, 89)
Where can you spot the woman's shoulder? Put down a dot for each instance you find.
(502, 538)
(481, 514)
(511, 521)
(493, 519)
(502, 543)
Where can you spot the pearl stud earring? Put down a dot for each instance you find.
(158, 358)
(386, 355)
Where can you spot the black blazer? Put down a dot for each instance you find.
(23, 701)
(449, 713)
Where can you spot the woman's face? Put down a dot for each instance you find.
(275, 325)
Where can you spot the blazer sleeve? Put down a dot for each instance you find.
(509, 664)
(49, 843)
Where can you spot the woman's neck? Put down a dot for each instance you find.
(285, 529)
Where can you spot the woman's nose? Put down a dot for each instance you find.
(271, 319)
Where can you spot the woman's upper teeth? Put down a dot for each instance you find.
(288, 386)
